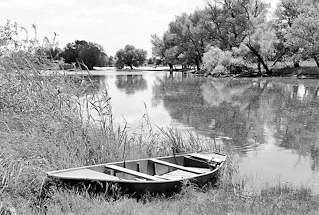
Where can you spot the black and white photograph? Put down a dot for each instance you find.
(173, 107)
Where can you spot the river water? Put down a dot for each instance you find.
(270, 125)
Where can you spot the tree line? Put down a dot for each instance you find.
(229, 35)
(15, 39)
(88, 55)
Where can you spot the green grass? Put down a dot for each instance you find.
(45, 125)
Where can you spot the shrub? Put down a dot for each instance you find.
(217, 61)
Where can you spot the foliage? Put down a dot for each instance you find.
(303, 35)
(130, 56)
(242, 25)
(288, 10)
(223, 24)
(83, 52)
(154, 61)
(286, 13)
(184, 43)
(218, 61)
(110, 61)
(165, 49)
(260, 37)
(227, 23)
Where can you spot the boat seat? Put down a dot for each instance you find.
(133, 172)
(217, 158)
(86, 174)
(176, 166)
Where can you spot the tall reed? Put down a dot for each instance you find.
(51, 120)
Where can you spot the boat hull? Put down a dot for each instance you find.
(136, 187)
(132, 188)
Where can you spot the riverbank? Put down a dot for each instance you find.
(306, 70)
(98, 71)
(44, 127)
(228, 197)
(222, 200)
(279, 200)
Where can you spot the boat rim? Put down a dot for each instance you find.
(50, 173)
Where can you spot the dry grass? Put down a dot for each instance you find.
(46, 124)
(280, 200)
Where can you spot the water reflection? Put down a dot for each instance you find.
(130, 83)
(243, 109)
(273, 123)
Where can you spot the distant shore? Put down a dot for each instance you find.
(305, 71)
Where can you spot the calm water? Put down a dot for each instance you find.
(273, 123)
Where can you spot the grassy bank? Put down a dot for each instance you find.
(280, 200)
(47, 123)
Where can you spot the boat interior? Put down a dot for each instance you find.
(153, 169)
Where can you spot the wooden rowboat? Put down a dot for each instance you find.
(152, 175)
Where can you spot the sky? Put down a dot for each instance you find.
(110, 23)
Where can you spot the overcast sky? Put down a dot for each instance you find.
(111, 23)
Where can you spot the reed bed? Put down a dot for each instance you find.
(49, 121)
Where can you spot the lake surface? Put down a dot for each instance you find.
(271, 125)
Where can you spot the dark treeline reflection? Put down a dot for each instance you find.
(244, 109)
(130, 83)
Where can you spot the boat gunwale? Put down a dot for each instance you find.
(49, 173)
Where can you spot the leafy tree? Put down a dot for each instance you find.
(288, 10)
(242, 24)
(166, 49)
(304, 33)
(185, 41)
(130, 56)
(226, 23)
(286, 13)
(110, 61)
(261, 44)
(191, 36)
(80, 51)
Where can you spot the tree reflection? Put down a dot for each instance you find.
(314, 153)
(130, 83)
(242, 109)
(188, 102)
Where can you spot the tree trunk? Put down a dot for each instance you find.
(260, 59)
(296, 64)
(316, 60)
(131, 66)
(170, 66)
(259, 67)
(198, 61)
(197, 66)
